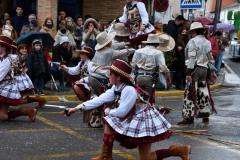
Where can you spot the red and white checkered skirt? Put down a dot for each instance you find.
(84, 87)
(24, 83)
(9, 94)
(147, 126)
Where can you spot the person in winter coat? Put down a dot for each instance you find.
(182, 41)
(62, 53)
(64, 32)
(8, 30)
(37, 66)
(32, 26)
(70, 25)
(215, 42)
(78, 35)
(90, 32)
(49, 28)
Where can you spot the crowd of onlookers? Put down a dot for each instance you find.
(72, 35)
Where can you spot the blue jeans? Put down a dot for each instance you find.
(219, 62)
(38, 81)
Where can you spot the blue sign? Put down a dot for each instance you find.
(191, 4)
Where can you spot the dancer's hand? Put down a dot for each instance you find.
(168, 80)
(70, 111)
(142, 27)
(26, 69)
(189, 78)
(127, 43)
(61, 67)
(79, 82)
(214, 76)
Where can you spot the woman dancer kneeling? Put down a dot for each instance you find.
(131, 120)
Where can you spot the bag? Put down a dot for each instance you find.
(75, 56)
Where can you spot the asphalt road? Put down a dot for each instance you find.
(52, 136)
(233, 63)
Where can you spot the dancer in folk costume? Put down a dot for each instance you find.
(130, 120)
(81, 87)
(121, 37)
(149, 64)
(23, 81)
(135, 16)
(9, 91)
(197, 98)
(106, 54)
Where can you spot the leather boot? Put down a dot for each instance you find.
(205, 120)
(106, 153)
(42, 101)
(180, 151)
(31, 113)
(186, 122)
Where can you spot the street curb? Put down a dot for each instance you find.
(228, 68)
(168, 93)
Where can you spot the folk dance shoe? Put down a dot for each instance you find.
(31, 113)
(42, 101)
(186, 122)
(180, 151)
(106, 153)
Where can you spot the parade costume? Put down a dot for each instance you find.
(132, 120)
(135, 15)
(103, 57)
(9, 90)
(197, 97)
(149, 64)
(83, 69)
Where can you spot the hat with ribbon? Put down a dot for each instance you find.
(120, 30)
(195, 26)
(8, 42)
(167, 43)
(152, 38)
(103, 39)
(88, 51)
(123, 68)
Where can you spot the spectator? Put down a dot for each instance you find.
(8, 30)
(172, 28)
(215, 42)
(37, 66)
(180, 54)
(61, 17)
(64, 32)
(70, 25)
(91, 30)
(4, 18)
(18, 21)
(164, 27)
(32, 26)
(62, 53)
(1, 20)
(100, 25)
(105, 28)
(78, 33)
(49, 28)
(159, 27)
(186, 24)
(87, 16)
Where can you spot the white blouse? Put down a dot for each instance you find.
(127, 101)
(5, 66)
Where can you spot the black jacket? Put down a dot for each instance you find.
(78, 33)
(59, 51)
(37, 65)
(172, 30)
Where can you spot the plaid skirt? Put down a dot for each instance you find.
(147, 126)
(24, 83)
(9, 94)
(84, 87)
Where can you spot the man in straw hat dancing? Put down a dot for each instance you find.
(149, 63)
(127, 118)
(135, 17)
(197, 98)
(106, 54)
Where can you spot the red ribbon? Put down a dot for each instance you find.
(109, 139)
(140, 90)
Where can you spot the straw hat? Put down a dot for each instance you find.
(152, 38)
(103, 39)
(120, 30)
(90, 20)
(8, 42)
(196, 25)
(123, 68)
(88, 51)
(167, 43)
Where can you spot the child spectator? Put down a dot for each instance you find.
(38, 67)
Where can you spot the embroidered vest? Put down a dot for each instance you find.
(84, 70)
(134, 18)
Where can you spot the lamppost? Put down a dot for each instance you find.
(205, 8)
